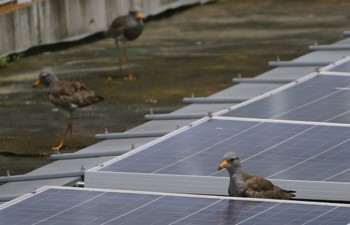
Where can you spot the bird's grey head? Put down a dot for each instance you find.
(46, 77)
(230, 162)
(136, 13)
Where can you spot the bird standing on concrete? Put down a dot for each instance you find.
(126, 28)
(67, 95)
(245, 185)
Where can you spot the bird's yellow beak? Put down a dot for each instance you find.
(223, 165)
(139, 16)
(37, 83)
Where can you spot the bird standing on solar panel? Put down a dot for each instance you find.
(126, 28)
(67, 95)
(245, 185)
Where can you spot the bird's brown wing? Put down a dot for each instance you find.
(70, 95)
(258, 187)
(117, 26)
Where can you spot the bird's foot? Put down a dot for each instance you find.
(130, 77)
(57, 148)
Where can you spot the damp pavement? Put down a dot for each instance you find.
(194, 51)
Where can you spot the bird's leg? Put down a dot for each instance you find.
(120, 55)
(130, 76)
(69, 127)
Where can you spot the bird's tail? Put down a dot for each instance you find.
(99, 98)
(106, 33)
(291, 193)
(91, 100)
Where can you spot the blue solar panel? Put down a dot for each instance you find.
(274, 150)
(323, 98)
(344, 67)
(68, 206)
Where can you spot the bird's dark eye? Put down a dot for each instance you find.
(233, 159)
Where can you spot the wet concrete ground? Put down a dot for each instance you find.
(197, 50)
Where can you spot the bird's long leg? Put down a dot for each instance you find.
(130, 76)
(68, 129)
(120, 55)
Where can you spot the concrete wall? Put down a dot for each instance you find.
(53, 21)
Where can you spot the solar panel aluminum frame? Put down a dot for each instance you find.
(335, 73)
(205, 185)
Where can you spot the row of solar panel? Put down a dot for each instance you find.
(70, 206)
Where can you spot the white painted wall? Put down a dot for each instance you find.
(53, 21)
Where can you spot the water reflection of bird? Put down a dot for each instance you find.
(245, 185)
(67, 95)
(126, 28)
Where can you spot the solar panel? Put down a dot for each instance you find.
(322, 98)
(344, 67)
(197, 151)
(278, 150)
(58, 205)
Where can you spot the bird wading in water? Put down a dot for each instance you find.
(66, 95)
(246, 185)
(124, 29)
